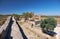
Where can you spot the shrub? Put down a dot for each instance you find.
(48, 24)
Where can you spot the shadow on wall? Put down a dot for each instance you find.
(9, 28)
(21, 30)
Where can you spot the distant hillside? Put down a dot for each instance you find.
(50, 16)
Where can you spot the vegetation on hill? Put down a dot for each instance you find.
(50, 16)
(16, 16)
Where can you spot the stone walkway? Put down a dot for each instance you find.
(15, 33)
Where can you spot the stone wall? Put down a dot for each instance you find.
(4, 28)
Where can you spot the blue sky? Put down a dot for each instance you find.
(44, 7)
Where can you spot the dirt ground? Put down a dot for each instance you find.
(35, 32)
(2, 20)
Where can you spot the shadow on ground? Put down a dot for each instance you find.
(9, 28)
(22, 32)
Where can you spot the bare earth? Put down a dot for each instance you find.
(34, 33)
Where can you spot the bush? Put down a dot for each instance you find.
(48, 24)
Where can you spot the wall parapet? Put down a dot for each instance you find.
(4, 27)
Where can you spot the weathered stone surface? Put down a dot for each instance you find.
(15, 33)
(57, 30)
(10, 30)
(4, 28)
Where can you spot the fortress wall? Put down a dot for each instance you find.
(4, 28)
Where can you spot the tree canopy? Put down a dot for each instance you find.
(28, 15)
(48, 24)
(16, 16)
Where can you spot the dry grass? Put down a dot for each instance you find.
(2, 20)
(39, 35)
(33, 32)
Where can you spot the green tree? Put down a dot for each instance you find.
(48, 24)
(16, 16)
(27, 15)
